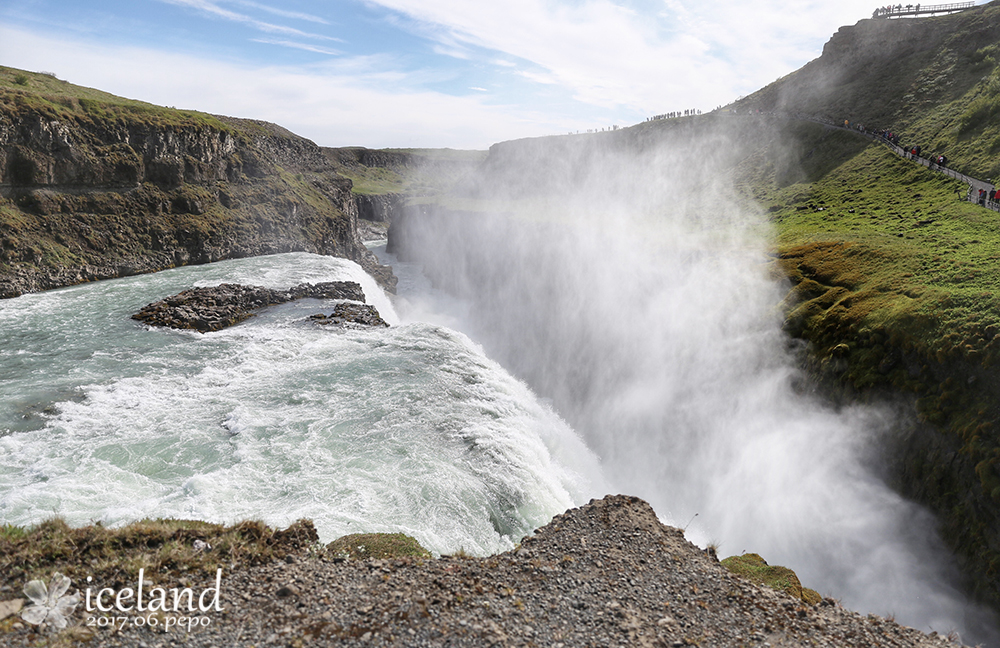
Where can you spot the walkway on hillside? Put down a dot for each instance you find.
(897, 11)
(975, 184)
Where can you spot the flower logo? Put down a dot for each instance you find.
(50, 606)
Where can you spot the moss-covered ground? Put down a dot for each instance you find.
(170, 551)
(377, 545)
(886, 257)
(755, 568)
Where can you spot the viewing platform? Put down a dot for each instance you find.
(899, 10)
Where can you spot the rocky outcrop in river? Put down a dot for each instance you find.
(215, 308)
(351, 314)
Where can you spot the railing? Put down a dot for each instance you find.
(974, 183)
(893, 11)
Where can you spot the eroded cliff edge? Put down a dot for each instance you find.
(93, 186)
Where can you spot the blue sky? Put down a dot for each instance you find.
(423, 73)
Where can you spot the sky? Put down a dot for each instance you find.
(424, 73)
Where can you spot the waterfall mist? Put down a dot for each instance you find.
(631, 289)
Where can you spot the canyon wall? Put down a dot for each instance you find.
(92, 190)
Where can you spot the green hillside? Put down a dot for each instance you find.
(896, 278)
(44, 94)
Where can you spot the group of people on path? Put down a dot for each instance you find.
(913, 153)
(987, 197)
(888, 10)
(677, 113)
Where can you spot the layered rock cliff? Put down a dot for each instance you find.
(379, 207)
(93, 188)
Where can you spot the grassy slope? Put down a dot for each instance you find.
(62, 100)
(878, 243)
(934, 81)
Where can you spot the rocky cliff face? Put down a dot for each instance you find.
(373, 158)
(92, 190)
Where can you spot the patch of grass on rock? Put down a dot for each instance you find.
(168, 550)
(755, 568)
(377, 545)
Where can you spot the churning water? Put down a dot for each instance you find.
(410, 428)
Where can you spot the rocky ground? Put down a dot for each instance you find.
(605, 574)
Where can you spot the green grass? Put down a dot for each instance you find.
(887, 257)
(164, 548)
(22, 91)
(967, 129)
(376, 180)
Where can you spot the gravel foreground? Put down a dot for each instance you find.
(605, 574)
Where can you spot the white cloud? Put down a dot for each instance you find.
(689, 52)
(580, 61)
(350, 101)
(295, 15)
(308, 47)
(212, 8)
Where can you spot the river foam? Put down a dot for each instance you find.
(410, 428)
